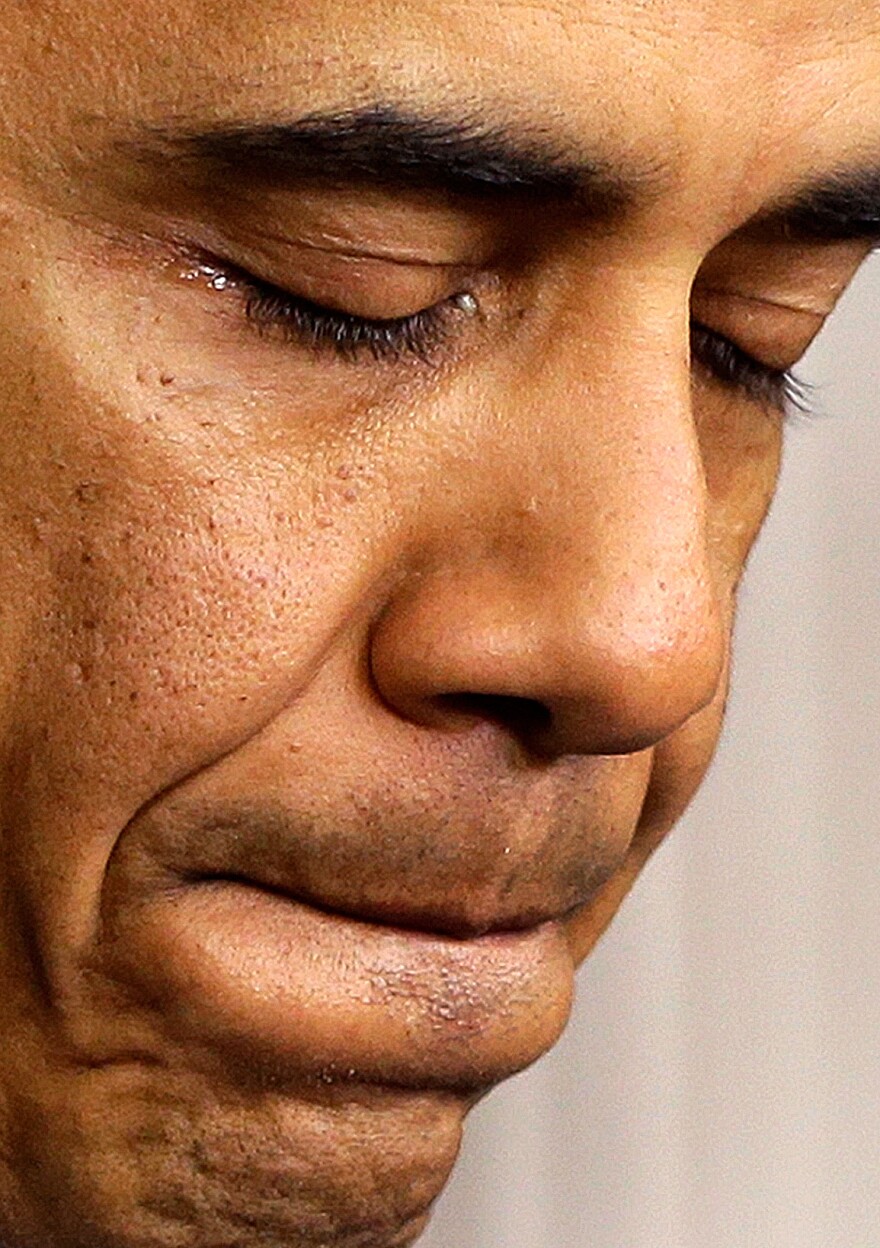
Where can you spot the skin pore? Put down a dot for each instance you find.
(391, 396)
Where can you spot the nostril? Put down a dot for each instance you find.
(525, 717)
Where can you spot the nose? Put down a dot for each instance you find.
(562, 586)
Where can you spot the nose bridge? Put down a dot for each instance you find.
(579, 577)
(601, 505)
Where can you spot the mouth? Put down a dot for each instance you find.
(292, 988)
(465, 918)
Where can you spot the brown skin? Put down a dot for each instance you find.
(249, 590)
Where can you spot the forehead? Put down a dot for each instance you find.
(729, 94)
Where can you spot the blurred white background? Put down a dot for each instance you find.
(719, 1084)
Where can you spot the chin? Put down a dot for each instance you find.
(249, 1071)
(138, 1157)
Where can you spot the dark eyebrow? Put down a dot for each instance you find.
(385, 146)
(843, 206)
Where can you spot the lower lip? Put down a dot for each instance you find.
(310, 993)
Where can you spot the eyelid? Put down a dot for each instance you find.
(419, 335)
(398, 224)
(803, 303)
(370, 288)
(803, 276)
(337, 247)
(776, 335)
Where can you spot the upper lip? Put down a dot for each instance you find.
(459, 884)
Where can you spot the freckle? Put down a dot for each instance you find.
(133, 696)
(86, 557)
(207, 424)
(25, 284)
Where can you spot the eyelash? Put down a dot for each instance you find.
(421, 334)
(777, 389)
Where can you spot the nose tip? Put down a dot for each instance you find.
(576, 677)
(630, 699)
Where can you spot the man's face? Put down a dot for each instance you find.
(391, 396)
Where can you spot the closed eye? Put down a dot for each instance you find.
(775, 388)
(420, 335)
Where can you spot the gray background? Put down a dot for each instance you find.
(719, 1084)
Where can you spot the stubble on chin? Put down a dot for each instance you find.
(137, 1155)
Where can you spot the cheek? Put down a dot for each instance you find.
(176, 559)
(158, 622)
(741, 449)
(157, 646)
(169, 585)
(168, 590)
